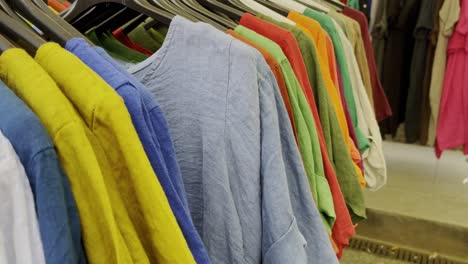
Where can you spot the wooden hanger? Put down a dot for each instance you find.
(142, 7)
(275, 7)
(336, 4)
(7, 9)
(185, 10)
(20, 33)
(201, 9)
(32, 13)
(130, 26)
(95, 15)
(5, 44)
(227, 10)
(115, 21)
(238, 5)
(59, 20)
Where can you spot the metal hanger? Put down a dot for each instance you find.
(32, 13)
(141, 6)
(20, 33)
(5, 44)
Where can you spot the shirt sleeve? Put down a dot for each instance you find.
(449, 15)
(282, 240)
(57, 212)
(374, 160)
(307, 229)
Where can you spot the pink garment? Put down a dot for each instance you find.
(452, 128)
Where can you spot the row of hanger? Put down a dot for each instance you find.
(108, 15)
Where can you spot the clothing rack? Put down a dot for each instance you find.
(186, 131)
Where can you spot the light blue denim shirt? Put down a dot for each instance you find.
(223, 112)
(308, 218)
(57, 214)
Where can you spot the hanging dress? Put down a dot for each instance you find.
(452, 130)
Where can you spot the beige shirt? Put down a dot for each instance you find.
(375, 168)
(448, 17)
(373, 13)
(354, 34)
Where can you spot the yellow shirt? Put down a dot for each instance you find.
(105, 114)
(313, 29)
(102, 239)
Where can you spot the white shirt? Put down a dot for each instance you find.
(20, 240)
(375, 168)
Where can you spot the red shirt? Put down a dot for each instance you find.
(382, 107)
(288, 44)
(124, 39)
(343, 228)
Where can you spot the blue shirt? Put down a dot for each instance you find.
(153, 133)
(57, 214)
(158, 125)
(307, 216)
(248, 193)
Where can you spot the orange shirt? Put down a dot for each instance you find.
(56, 5)
(332, 60)
(313, 29)
(66, 4)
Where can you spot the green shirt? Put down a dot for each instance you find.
(116, 49)
(354, 37)
(143, 38)
(336, 145)
(305, 127)
(328, 25)
(354, 4)
(307, 47)
(150, 39)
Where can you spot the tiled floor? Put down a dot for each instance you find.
(421, 186)
(359, 257)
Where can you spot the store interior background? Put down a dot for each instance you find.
(423, 207)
